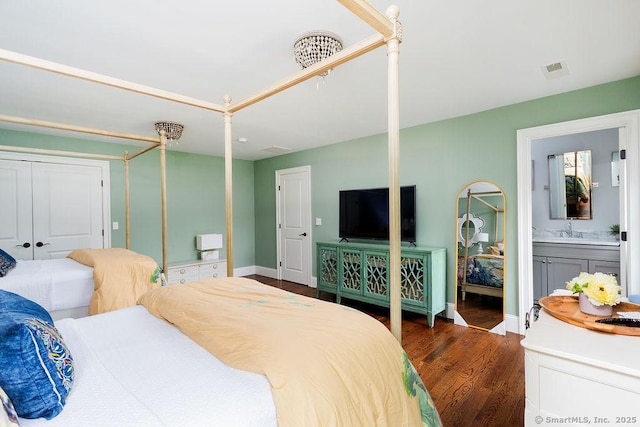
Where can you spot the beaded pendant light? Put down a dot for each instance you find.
(315, 46)
(172, 130)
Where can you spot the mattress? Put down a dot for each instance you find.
(55, 284)
(133, 369)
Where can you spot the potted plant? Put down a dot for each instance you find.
(614, 230)
(597, 293)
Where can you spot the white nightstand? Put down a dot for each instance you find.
(190, 271)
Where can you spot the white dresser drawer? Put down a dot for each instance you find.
(213, 270)
(183, 274)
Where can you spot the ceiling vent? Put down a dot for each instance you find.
(277, 149)
(555, 70)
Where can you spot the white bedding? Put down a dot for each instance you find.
(55, 284)
(133, 369)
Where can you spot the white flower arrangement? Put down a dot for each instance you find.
(600, 288)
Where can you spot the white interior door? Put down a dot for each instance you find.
(294, 224)
(67, 209)
(15, 215)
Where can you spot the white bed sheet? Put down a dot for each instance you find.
(134, 369)
(55, 284)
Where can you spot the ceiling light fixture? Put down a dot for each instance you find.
(172, 130)
(311, 48)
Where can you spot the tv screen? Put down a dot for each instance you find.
(364, 214)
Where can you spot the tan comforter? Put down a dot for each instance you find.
(120, 277)
(328, 365)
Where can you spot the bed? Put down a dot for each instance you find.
(388, 33)
(234, 352)
(62, 286)
(75, 286)
(482, 274)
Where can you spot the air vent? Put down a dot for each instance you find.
(277, 150)
(555, 70)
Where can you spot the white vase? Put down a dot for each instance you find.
(596, 310)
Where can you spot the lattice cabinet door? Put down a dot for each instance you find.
(413, 278)
(328, 268)
(376, 274)
(350, 273)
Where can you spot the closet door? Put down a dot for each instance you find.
(67, 209)
(16, 236)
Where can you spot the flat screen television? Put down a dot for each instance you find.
(364, 214)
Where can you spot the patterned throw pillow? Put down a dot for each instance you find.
(36, 367)
(7, 262)
(8, 416)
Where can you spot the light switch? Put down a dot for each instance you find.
(318, 221)
(116, 226)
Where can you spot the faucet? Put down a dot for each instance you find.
(570, 228)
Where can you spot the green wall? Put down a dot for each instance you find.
(195, 197)
(440, 158)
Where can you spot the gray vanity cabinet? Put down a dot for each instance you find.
(554, 264)
(600, 266)
(551, 273)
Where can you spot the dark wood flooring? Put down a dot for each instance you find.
(482, 311)
(474, 377)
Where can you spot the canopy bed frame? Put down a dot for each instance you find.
(388, 32)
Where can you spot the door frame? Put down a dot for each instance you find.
(279, 248)
(104, 166)
(629, 138)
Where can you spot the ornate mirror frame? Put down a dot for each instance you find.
(478, 223)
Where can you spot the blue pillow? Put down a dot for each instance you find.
(7, 262)
(36, 367)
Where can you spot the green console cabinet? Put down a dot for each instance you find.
(358, 271)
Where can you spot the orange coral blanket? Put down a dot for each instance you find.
(328, 365)
(120, 277)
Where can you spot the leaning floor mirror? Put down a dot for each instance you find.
(480, 264)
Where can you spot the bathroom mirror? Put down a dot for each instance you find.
(480, 264)
(570, 185)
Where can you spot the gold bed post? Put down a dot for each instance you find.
(228, 184)
(393, 52)
(127, 206)
(163, 197)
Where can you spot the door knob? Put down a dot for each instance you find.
(303, 234)
(24, 245)
(40, 244)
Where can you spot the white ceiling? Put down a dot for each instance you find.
(457, 57)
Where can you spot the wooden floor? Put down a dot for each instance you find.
(474, 377)
(482, 311)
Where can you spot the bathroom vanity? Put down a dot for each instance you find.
(556, 261)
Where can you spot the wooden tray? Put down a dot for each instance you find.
(566, 309)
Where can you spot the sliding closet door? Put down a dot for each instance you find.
(15, 214)
(67, 209)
